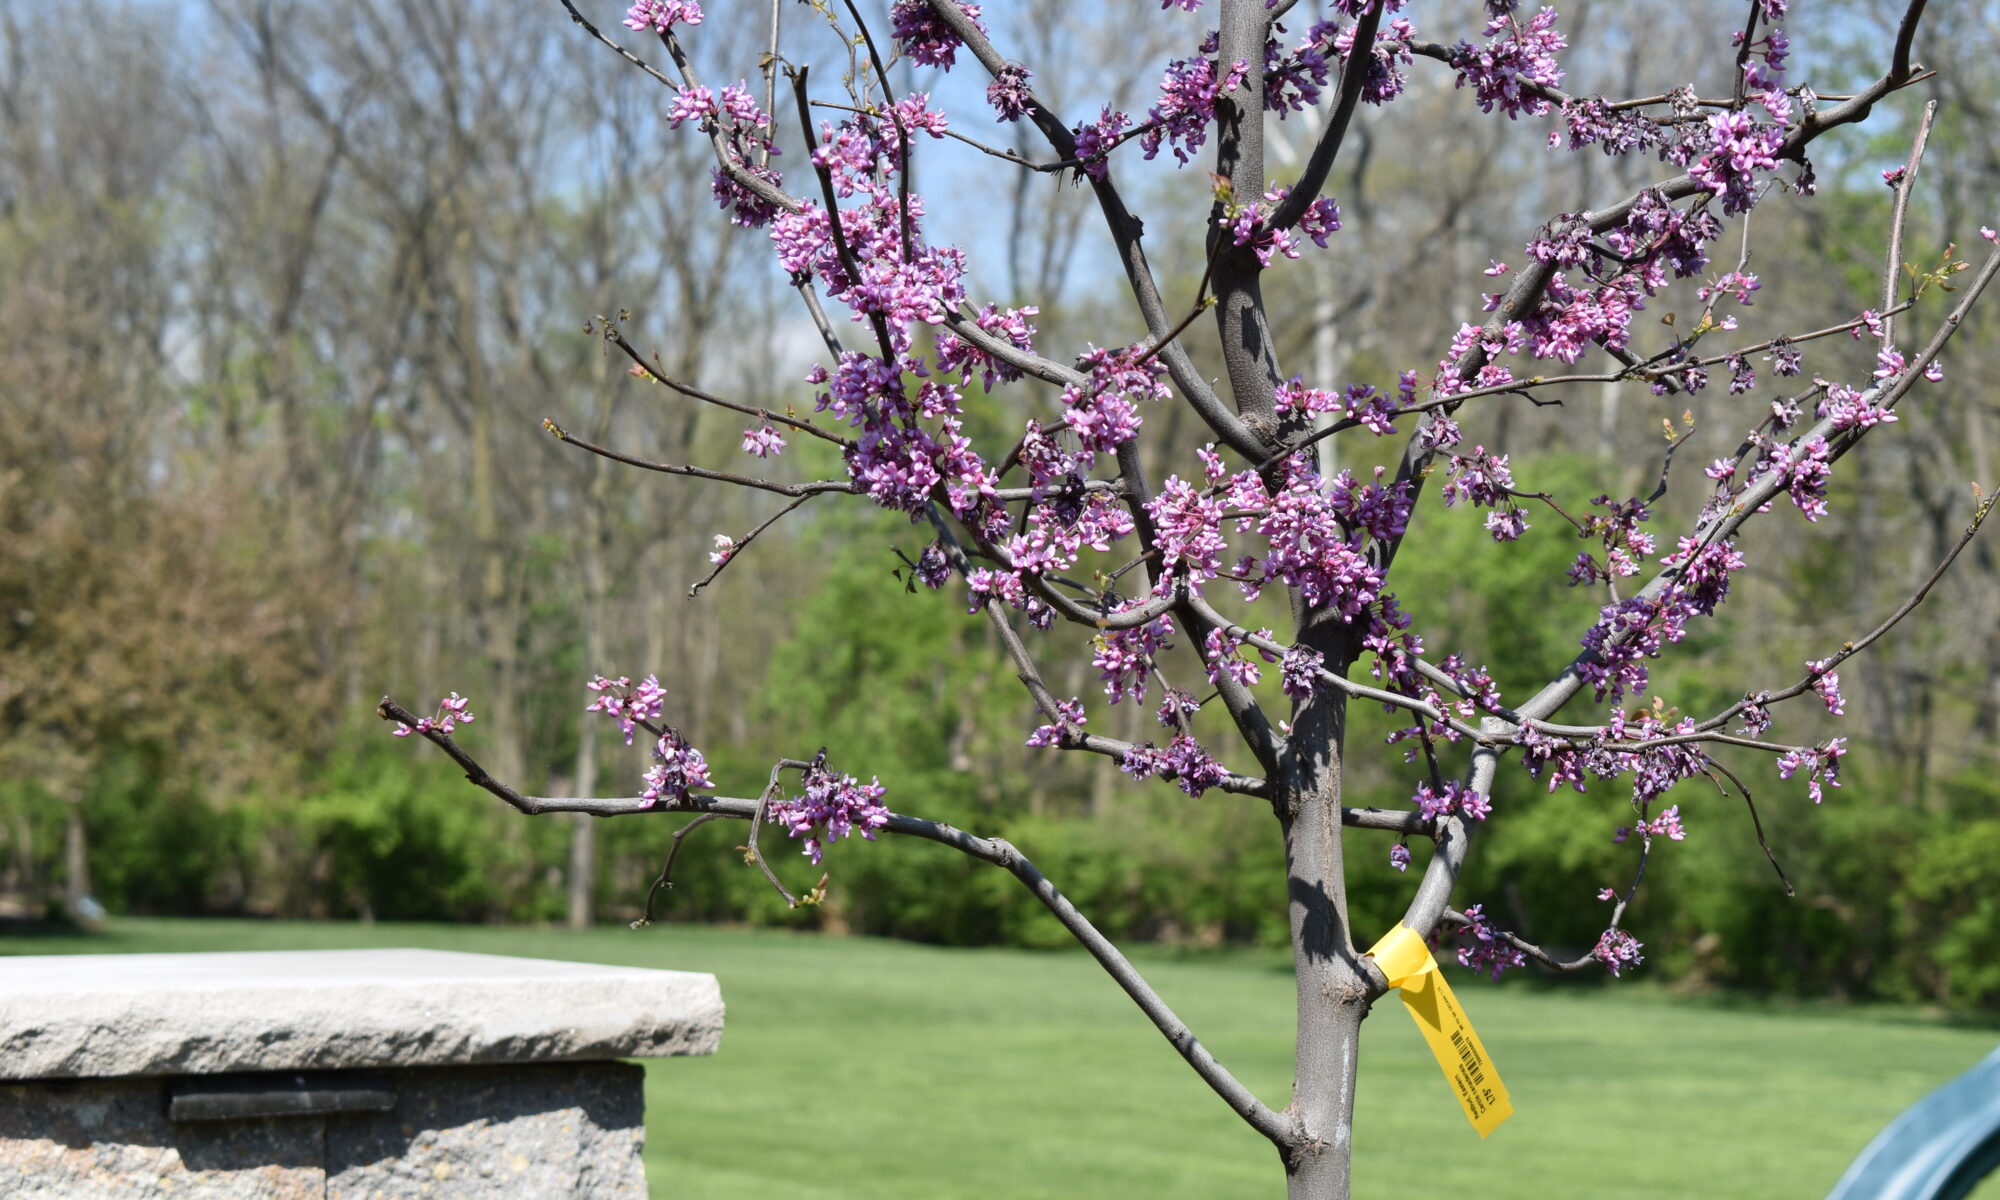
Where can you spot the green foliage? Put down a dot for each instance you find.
(401, 837)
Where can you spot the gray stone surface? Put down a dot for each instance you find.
(67, 1016)
(562, 1131)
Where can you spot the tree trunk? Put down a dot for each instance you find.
(582, 868)
(583, 833)
(1334, 991)
(76, 862)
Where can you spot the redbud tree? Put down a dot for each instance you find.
(1071, 535)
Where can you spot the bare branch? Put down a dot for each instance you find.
(762, 485)
(653, 372)
(736, 550)
(1892, 270)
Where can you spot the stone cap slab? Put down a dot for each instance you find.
(88, 1015)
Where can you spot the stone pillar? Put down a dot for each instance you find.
(333, 1074)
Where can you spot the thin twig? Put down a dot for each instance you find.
(841, 249)
(617, 49)
(1452, 916)
(1755, 822)
(753, 851)
(1892, 270)
(902, 135)
(665, 879)
(762, 485)
(736, 550)
(1850, 649)
(653, 372)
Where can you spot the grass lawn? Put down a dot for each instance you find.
(861, 1068)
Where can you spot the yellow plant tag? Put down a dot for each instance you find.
(1411, 970)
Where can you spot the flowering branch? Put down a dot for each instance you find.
(996, 851)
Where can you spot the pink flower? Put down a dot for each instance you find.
(660, 14)
(763, 442)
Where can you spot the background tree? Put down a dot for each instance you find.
(1052, 511)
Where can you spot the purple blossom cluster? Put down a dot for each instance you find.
(1294, 79)
(1009, 93)
(1186, 108)
(678, 769)
(747, 141)
(1483, 947)
(1059, 529)
(1095, 140)
(1591, 121)
(1067, 728)
(1849, 409)
(1486, 481)
(1656, 770)
(1483, 479)
(762, 441)
(1806, 469)
(1666, 825)
(1618, 951)
(924, 36)
(1764, 67)
(1625, 544)
(1223, 651)
(1124, 657)
(1630, 631)
(1315, 536)
(1476, 693)
(1184, 761)
(1820, 763)
(1454, 799)
(1358, 402)
(1742, 149)
(1384, 77)
(629, 706)
(1387, 636)
(833, 807)
(1104, 412)
(1826, 685)
(1246, 226)
(1655, 244)
(659, 15)
(932, 568)
(1176, 706)
(1299, 671)
(1008, 588)
(1014, 326)
(1515, 54)
(451, 712)
(1555, 758)
(1187, 524)
(912, 446)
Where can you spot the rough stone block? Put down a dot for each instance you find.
(555, 1130)
(66, 1016)
(400, 1073)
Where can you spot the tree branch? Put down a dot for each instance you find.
(762, 485)
(1273, 1125)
